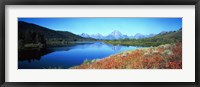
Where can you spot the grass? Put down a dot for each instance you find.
(168, 56)
(134, 43)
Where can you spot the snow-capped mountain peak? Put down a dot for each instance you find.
(139, 36)
(85, 35)
(116, 35)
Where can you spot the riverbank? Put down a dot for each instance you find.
(133, 43)
(168, 56)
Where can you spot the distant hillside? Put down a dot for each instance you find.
(35, 36)
(172, 36)
(24, 27)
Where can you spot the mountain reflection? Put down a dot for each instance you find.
(116, 48)
(86, 45)
(31, 56)
(97, 45)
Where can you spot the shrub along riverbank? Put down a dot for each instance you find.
(167, 56)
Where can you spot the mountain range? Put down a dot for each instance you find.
(116, 35)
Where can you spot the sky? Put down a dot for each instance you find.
(104, 26)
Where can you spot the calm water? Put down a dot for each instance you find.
(66, 57)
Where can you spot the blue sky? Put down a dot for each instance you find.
(104, 26)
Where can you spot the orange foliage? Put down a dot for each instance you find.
(161, 57)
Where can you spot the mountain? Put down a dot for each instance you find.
(125, 36)
(171, 36)
(139, 36)
(97, 36)
(115, 35)
(85, 35)
(150, 35)
(118, 35)
(94, 36)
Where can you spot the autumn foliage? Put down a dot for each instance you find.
(167, 56)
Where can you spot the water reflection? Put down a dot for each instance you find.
(32, 55)
(68, 56)
(116, 47)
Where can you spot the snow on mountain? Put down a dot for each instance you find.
(139, 36)
(125, 36)
(85, 35)
(97, 36)
(116, 35)
(150, 35)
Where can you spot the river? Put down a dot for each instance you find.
(69, 56)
